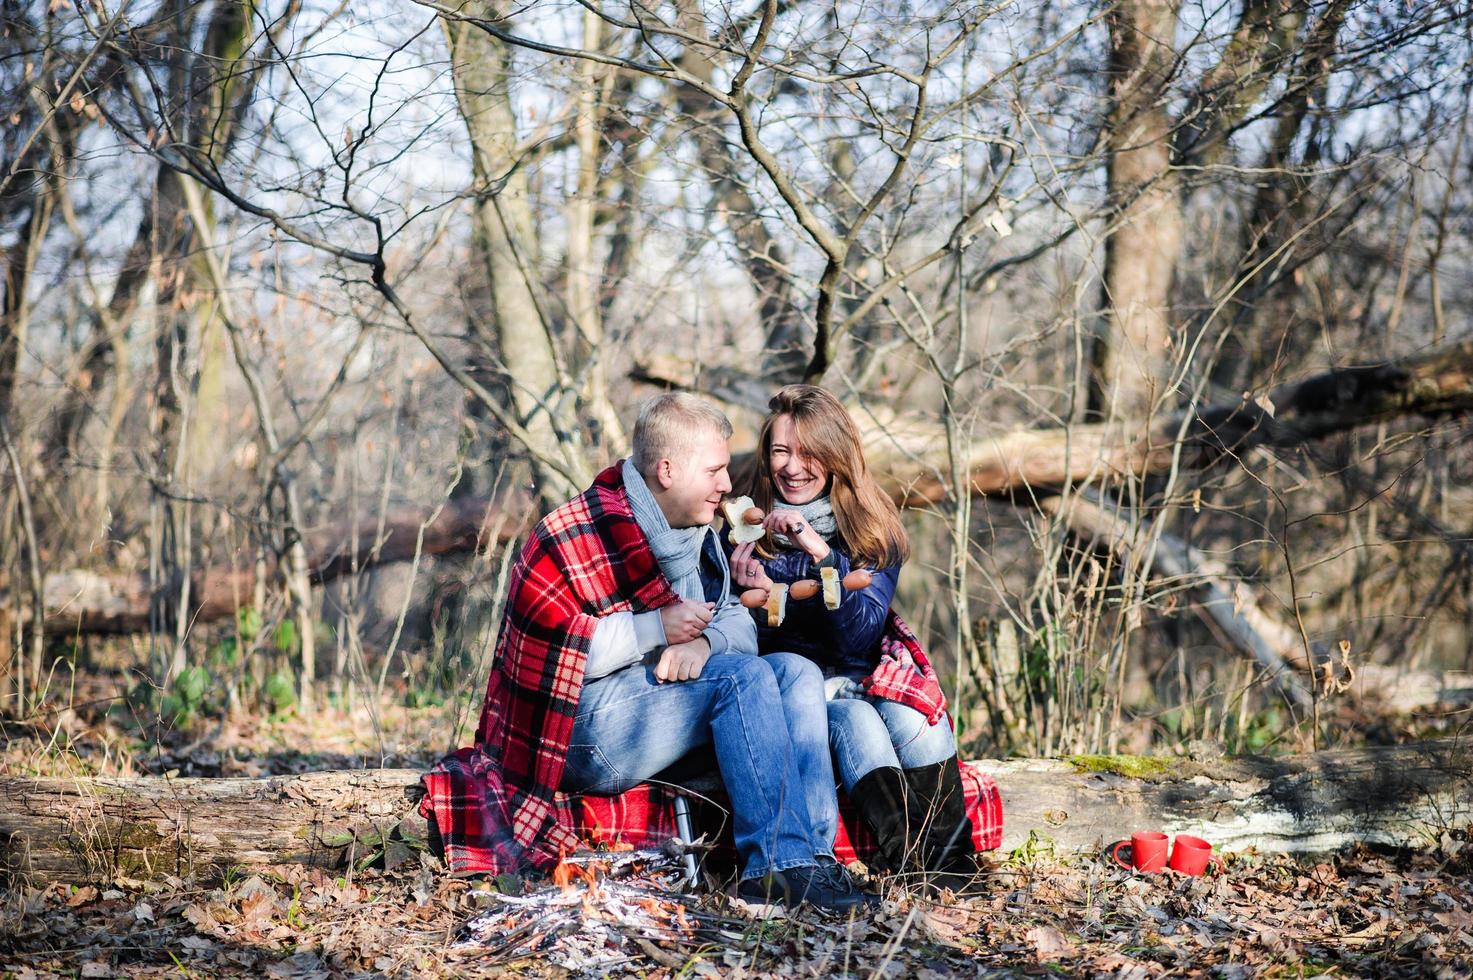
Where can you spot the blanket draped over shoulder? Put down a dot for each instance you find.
(496, 803)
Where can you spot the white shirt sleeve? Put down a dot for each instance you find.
(621, 639)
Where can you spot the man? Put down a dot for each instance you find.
(622, 649)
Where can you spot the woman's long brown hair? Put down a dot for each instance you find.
(868, 520)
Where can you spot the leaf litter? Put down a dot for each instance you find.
(1359, 913)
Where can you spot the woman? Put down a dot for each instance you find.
(893, 746)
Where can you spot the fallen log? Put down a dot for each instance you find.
(54, 828)
(1430, 384)
(81, 601)
(62, 828)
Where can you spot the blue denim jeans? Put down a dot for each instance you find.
(766, 719)
(870, 733)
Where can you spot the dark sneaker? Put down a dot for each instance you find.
(843, 882)
(807, 884)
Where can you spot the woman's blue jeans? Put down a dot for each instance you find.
(872, 733)
(766, 718)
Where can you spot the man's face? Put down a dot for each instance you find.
(691, 488)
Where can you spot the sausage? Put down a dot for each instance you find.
(753, 515)
(858, 579)
(754, 598)
(803, 589)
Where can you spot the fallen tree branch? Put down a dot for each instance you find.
(56, 828)
(1231, 606)
(1236, 610)
(906, 454)
(1435, 383)
(80, 601)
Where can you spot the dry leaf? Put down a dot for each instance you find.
(949, 924)
(82, 896)
(1049, 944)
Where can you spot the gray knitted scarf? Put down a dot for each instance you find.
(677, 549)
(818, 512)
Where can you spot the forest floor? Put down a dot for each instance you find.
(1356, 913)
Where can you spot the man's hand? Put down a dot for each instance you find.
(684, 620)
(683, 661)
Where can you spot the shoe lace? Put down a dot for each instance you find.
(836, 877)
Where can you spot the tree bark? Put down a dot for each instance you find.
(60, 828)
(518, 334)
(1133, 359)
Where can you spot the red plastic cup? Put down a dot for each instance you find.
(1147, 851)
(1191, 855)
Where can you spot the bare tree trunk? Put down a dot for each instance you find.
(90, 602)
(34, 579)
(518, 333)
(593, 87)
(1133, 358)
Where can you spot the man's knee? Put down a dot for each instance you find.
(742, 671)
(796, 673)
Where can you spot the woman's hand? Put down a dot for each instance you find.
(799, 531)
(747, 571)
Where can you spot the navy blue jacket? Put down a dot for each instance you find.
(846, 639)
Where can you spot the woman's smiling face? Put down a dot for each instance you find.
(798, 478)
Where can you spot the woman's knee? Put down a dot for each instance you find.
(856, 722)
(917, 742)
(860, 740)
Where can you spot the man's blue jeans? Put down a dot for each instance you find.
(766, 718)
(871, 733)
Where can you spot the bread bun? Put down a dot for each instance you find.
(777, 604)
(741, 529)
(830, 579)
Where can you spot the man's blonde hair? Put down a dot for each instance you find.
(668, 425)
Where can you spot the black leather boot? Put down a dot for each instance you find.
(880, 797)
(939, 823)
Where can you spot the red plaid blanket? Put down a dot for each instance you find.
(644, 817)
(496, 804)
(904, 673)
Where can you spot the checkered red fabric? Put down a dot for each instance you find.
(904, 673)
(644, 817)
(496, 805)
